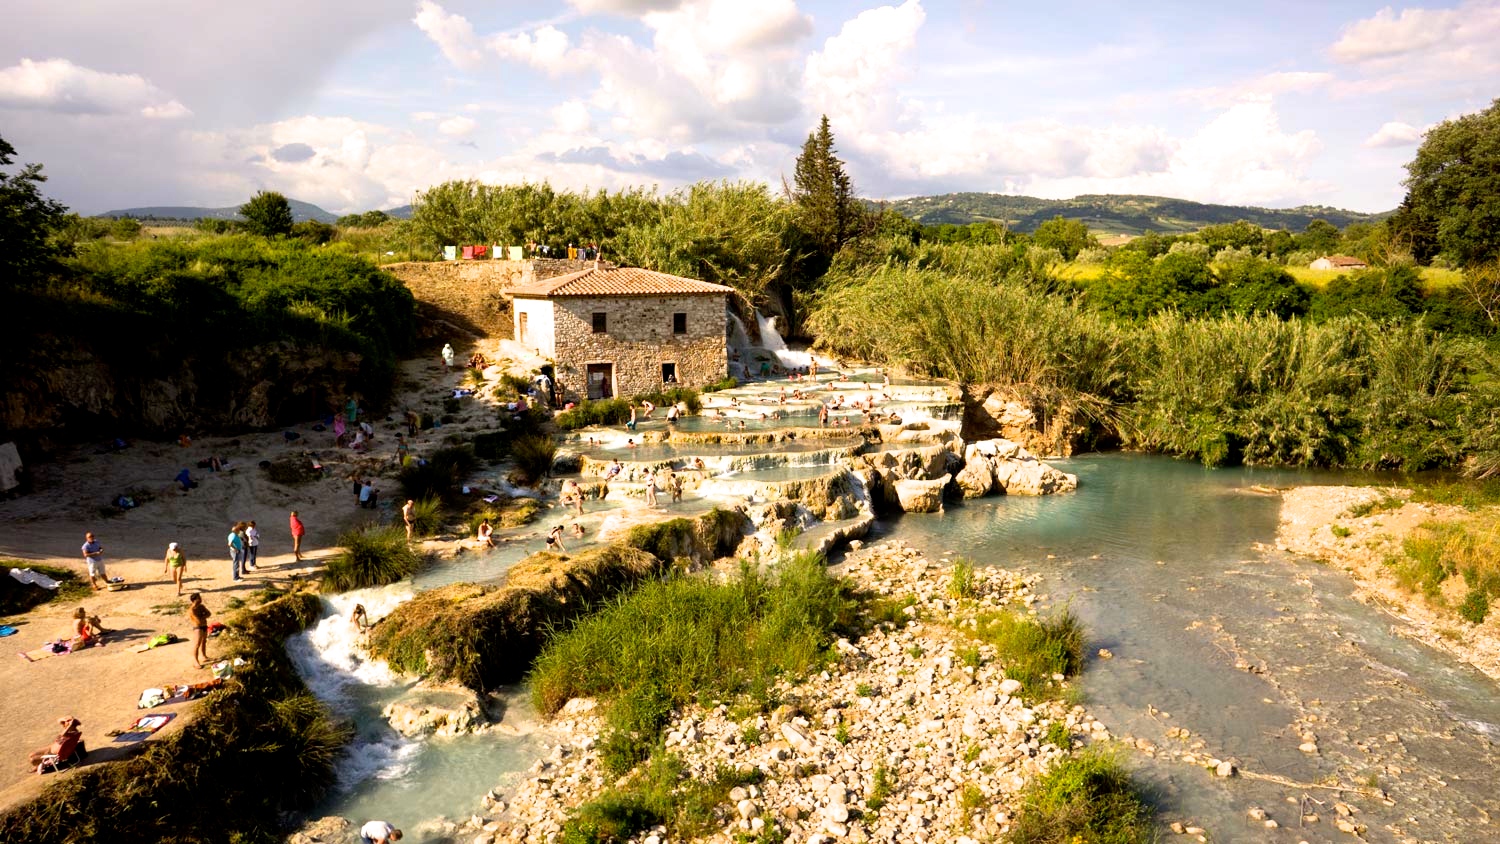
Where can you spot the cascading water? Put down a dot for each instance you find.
(331, 659)
(771, 341)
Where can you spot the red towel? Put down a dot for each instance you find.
(481, 251)
(469, 252)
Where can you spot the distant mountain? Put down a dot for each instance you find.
(1114, 214)
(300, 211)
(401, 213)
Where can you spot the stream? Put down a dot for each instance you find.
(1257, 654)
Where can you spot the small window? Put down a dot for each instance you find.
(599, 322)
(679, 323)
(669, 373)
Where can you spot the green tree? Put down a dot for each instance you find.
(1068, 237)
(1455, 181)
(1320, 236)
(27, 220)
(1241, 234)
(267, 214)
(823, 193)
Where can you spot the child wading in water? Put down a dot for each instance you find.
(199, 614)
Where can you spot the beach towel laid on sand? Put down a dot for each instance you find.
(61, 646)
(142, 728)
(158, 641)
(34, 578)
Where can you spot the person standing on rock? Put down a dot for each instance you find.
(631, 423)
(378, 832)
(236, 544)
(409, 516)
(674, 485)
(297, 532)
(176, 562)
(651, 489)
(93, 557)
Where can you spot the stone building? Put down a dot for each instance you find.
(619, 331)
(1338, 262)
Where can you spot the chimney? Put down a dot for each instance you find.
(598, 265)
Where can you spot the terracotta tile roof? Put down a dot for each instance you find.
(618, 281)
(1345, 261)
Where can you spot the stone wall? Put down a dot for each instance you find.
(638, 340)
(472, 297)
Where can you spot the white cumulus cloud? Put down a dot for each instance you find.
(58, 85)
(451, 33)
(1395, 134)
(458, 127)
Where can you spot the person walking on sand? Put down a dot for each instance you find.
(199, 614)
(236, 543)
(378, 832)
(176, 562)
(409, 516)
(93, 556)
(252, 547)
(297, 531)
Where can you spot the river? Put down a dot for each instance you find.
(1173, 569)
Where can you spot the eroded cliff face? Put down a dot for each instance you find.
(61, 388)
(1003, 412)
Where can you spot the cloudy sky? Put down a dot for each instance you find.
(357, 104)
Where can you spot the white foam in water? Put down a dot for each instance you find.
(770, 340)
(332, 661)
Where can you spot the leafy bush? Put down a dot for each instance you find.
(1033, 649)
(601, 412)
(441, 476)
(1087, 797)
(727, 383)
(372, 556)
(662, 793)
(1475, 607)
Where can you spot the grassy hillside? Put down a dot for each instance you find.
(1113, 214)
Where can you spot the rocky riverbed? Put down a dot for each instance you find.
(1357, 529)
(908, 737)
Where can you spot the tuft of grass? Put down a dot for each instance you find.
(961, 581)
(1383, 504)
(708, 640)
(881, 786)
(372, 556)
(1469, 494)
(427, 518)
(1088, 797)
(864, 690)
(533, 454)
(1340, 531)
(1058, 735)
(970, 800)
(661, 793)
(1033, 649)
(841, 732)
(889, 610)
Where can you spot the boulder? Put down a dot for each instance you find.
(436, 710)
(977, 478)
(916, 496)
(1032, 477)
(329, 830)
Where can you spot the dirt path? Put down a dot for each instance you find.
(100, 686)
(1308, 518)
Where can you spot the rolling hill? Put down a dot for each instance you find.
(1113, 214)
(300, 211)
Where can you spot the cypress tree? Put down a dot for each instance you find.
(822, 192)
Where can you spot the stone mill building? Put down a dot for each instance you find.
(620, 331)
